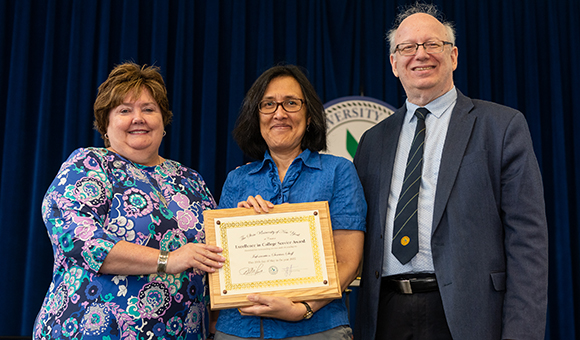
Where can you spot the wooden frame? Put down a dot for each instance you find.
(315, 216)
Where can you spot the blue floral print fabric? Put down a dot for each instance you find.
(97, 199)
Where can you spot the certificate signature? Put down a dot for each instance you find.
(252, 270)
(255, 270)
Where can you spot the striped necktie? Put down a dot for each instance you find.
(405, 232)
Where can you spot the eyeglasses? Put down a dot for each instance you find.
(431, 47)
(268, 106)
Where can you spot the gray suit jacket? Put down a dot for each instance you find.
(489, 238)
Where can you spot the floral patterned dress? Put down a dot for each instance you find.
(97, 199)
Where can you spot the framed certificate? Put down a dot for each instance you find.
(286, 252)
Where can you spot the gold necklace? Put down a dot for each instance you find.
(157, 191)
(161, 197)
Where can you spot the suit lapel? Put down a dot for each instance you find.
(458, 134)
(389, 145)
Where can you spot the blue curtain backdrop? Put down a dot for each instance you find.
(55, 53)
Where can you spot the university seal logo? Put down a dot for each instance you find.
(347, 118)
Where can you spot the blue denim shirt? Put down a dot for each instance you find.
(311, 177)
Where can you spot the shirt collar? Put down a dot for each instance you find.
(308, 158)
(436, 107)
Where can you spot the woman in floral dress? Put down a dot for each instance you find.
(126, 227)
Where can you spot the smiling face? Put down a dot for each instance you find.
(424, 76)
(283, 131)
(136, 128)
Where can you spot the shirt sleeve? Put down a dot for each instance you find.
(348, 207)
(229, 192)
(75, 210)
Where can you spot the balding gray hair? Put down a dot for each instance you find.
(414, 9)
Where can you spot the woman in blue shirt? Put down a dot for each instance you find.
(282, 123)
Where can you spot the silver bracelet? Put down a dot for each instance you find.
(162, 262)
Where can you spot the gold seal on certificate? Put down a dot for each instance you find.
(286, 252)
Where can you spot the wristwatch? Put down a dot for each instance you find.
(309, 311)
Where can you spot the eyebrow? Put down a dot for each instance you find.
(285, 97)
(133, 104)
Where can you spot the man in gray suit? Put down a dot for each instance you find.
(475, 264)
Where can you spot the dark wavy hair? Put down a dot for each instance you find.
(123, 79)
(247, 131)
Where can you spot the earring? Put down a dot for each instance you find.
(106, 136)
(308, 128)
(164, 133)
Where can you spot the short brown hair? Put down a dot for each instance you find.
(123, 79)
(247, 131)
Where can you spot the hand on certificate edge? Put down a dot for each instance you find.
(274, 307)
(127, 258)
(258, 203)
(195, 255)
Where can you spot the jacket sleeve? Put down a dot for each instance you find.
(526, 236)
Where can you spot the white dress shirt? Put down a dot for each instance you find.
(436, 124)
